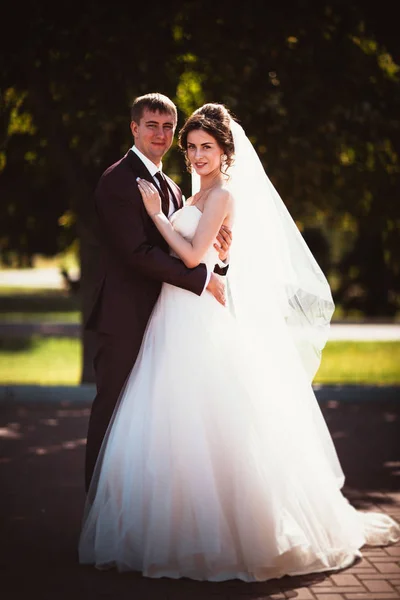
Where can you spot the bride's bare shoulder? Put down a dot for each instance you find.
(222, 195)
(189, 201)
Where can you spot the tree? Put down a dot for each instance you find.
(320, 98)
(77, 80)
(314, 84)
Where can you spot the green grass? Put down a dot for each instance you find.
(40, 360)
(27, 292)
(41, 317)
(56, 361)
(360, 362)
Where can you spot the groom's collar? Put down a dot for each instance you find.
(150, 166)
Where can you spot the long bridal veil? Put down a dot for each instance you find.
(271, 267)
(278, 294)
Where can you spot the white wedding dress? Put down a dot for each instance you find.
(208, 469)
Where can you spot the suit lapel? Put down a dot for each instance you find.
(138, 167)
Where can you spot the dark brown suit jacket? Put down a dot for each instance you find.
(134, 258)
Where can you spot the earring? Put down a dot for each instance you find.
(223, 158)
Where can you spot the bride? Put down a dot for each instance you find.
(218, 463)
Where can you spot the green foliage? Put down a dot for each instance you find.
(189, 92)
(319, 96)
(316, 86)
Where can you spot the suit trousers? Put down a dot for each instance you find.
(113, 362)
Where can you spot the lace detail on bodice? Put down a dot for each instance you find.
(185, 221)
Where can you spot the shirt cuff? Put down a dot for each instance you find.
(223, 263)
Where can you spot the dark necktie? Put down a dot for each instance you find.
(164, 192)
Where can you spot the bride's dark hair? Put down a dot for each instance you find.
(214, 119)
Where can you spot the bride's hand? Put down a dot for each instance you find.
(150, 196)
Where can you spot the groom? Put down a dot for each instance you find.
(135, 260)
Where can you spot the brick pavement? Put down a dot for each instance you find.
(41, 502)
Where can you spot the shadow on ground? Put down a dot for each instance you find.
(41, 503)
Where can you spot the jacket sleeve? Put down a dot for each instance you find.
(121, 218)
(221, 270)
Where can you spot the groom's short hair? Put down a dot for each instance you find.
(153, 102)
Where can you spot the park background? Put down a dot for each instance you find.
(316, 87)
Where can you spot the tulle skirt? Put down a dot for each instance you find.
(218, 463)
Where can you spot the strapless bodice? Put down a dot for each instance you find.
(185, 221)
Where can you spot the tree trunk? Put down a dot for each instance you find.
(373, 269)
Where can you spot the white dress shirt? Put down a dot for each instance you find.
(153, 169)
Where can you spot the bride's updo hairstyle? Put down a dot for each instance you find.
(215, 120)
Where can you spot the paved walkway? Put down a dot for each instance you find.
(40, 278)
(365, 331)
(41, 501)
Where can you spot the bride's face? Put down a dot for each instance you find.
(203, 152)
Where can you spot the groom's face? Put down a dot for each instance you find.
(154, 134)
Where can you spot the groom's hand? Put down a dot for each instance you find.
(216, 286)
(224, 241)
